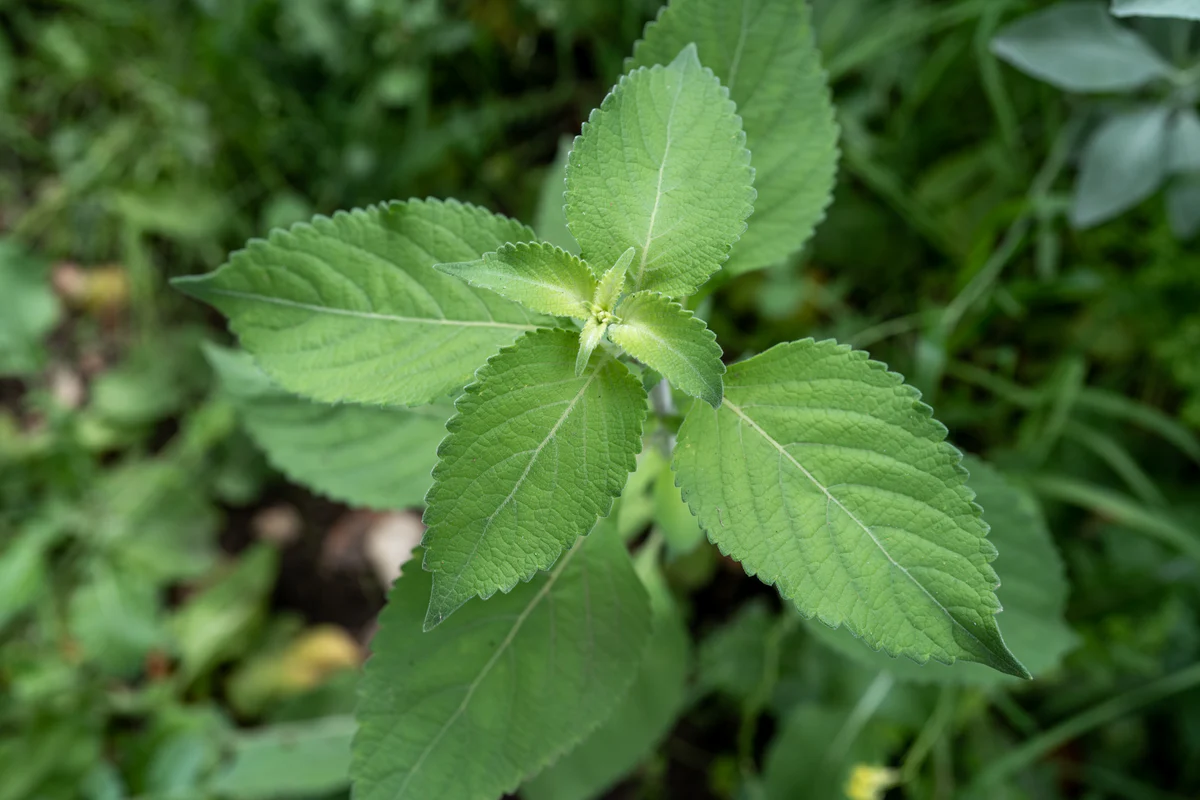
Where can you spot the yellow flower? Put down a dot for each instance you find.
(867, 782)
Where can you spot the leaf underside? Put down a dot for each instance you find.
(764, 52)
(365, 456)
(1033, 588)
(824, 475)
(534, 456)
(491, 697)
(661, 166)
(350, 309)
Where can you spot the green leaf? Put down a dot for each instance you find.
(643, 717)
(491, 697)
(550, 219)
(541, 277)
(1183, 207)
(534, 456)
(349, 308)
(1183, 141)
(1078, 47)
(824, 474)
(1123, 163)
(115, 619)
(1182, 9)
(671, 340)
(362, 455)
(609, 289)
(28, 310)
(661, 166)
(288, 760)
(589, 339)
(217, 622)
(764, 52)
(1033, 589)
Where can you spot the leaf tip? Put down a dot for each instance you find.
(442, 603)
(688, 58)
(194, 286)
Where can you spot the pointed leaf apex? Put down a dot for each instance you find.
(688, 58)
(610, 285)
(589, 339)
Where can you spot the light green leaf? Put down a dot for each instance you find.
(350, 308)
(589, 339)
(1033, 589)
(28, 310)
(642, 718)
(362, 455)
(661, 166)
(1123, 163)
(1077, 46)
(288, 760)
(534, 456)
(824, 474)
(1182, 9)
(763, 51)
(1183, 207)
(1183, 141)
(470, 709)
(671, 340)
(613, 281)
(550, 219)
(541, 277)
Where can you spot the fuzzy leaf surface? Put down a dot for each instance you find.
(642, 718)
(666, 337)
(534, 456)
(1078, 47)
(541, 277)
(350, 308)
(1033, 589)
(661, 166)
(825, 475)
(361, 455)
(494, 695)
(764, 52)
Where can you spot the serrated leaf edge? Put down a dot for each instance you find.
(831, 117)
(987, 549)
(582, 731)
(573, 163)
(700, 325)
(454, 425)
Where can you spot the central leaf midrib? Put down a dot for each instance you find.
(370, 315)
(831, 499)
(487, 668)
(658, 192)
(521, 480)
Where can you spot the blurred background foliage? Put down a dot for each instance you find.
(177, 620)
